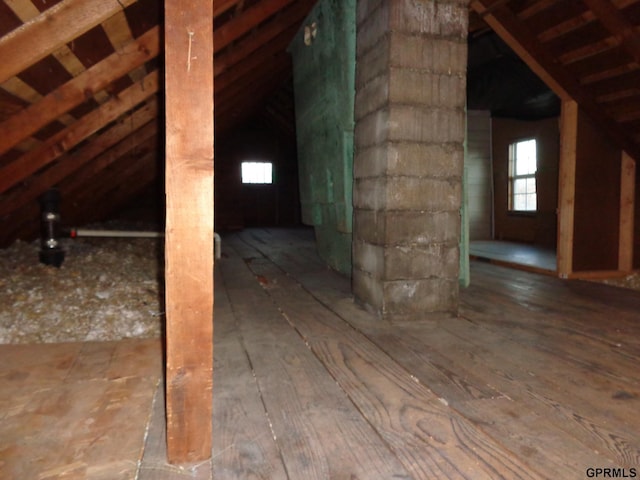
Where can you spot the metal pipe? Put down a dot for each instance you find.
(50, 251)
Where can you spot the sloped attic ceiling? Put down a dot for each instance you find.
(81, 95)
(498, 80)
(586, 50)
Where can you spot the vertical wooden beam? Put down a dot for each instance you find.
(189, 227)
(627, 212)
(567, 186)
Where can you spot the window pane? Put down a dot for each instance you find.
(525, 157)
(523, 166)
(519, 202)
(257, 172)
(519, 186)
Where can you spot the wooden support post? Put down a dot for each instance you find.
(627, 212)
(567, 186)
(189, 227)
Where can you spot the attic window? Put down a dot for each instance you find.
(257, 172)
(523, 165)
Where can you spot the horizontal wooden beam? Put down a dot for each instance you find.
(77, 90)
(597, 274)
(66, 139)
(55, 27)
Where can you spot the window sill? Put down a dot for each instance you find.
(522, 213)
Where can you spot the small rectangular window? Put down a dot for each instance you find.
(523, 165)
(257, 172)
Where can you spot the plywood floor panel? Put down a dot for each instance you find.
(66, 409)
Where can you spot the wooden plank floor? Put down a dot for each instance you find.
(518, 255)
(537, 378)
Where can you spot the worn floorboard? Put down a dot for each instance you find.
(545, 368)
(243, 445)
(154, 464)
(318, 431)
(429, 438)
(536, 379)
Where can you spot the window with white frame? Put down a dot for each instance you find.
(257, 172)
(523, 164)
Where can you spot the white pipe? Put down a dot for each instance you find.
(86, 232)
(217, 246)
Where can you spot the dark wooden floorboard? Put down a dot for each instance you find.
(243, 444)
(318, 431)
(537, 378)
(154, 465)
(430, 439)
(543, 370)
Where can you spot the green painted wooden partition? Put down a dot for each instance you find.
(324, 53)
(324, 84)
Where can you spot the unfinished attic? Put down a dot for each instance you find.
(413, 224)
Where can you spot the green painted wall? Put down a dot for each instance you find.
(324, 86)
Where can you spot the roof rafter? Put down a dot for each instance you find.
(58, 25)
(522, 41)
(287, 19)
(133, 128)
(251, 17)
(75, 91)
(66, 139)
(618, 25)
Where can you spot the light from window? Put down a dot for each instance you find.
(257, 172)
(522, 176)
